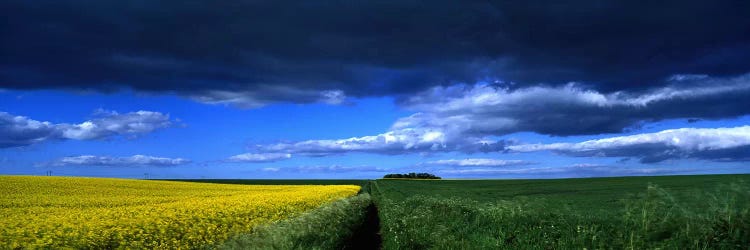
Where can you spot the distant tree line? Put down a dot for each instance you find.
(412, 176)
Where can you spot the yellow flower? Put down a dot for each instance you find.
(54, 212)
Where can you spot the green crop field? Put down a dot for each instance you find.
(671, 212)
(593, 194)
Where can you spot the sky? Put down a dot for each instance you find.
(359, 89)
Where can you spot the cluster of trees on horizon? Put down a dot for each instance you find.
(412, 176)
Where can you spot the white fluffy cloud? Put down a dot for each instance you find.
(267, 157)
(132, 161)
(111, 123)
(479, 162)
(461, 98)
(408, 140)
(719, 144)
(327, 169)
(466, 118)
(21, 131)
(572, 109)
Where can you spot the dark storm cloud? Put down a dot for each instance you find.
(250, 53)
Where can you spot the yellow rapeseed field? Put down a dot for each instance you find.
(71, 212)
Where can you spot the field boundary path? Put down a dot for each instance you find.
(367, 236)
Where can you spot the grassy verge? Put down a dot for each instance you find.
(653, 219)
(327, 227)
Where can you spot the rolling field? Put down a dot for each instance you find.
(592, 194)
(672, 212)
(54, 212)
